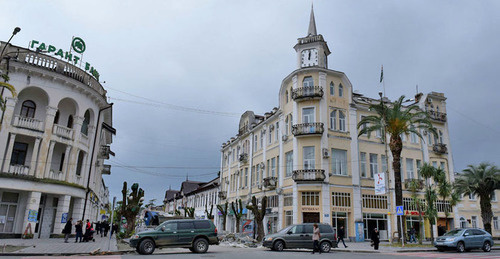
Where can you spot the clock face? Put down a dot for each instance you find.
(309, 57)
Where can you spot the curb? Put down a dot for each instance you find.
(67, 254)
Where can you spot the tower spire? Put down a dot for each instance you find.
(312, 23)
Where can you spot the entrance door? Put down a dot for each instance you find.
(310, 217)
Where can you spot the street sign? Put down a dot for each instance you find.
(64, 218)
(399, 210)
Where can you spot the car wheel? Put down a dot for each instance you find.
(200, 245)
(278, 246)
(325, 247)
(460, 247)
(146, 247)
(487, 246)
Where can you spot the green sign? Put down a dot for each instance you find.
(78, 45)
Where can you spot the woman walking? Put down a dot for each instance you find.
(316, 237)
(67, 230)
(79, 231)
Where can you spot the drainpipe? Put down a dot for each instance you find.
(92, 158)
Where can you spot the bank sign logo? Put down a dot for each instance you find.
(78, 45)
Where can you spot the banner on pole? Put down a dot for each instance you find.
(380, 183)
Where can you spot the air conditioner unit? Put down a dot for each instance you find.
(271, 127)
(279, 191)
(326, 153)
(262, 165)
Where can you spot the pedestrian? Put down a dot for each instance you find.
(67, 230)
(79, 230)
(114, 228)
(340, 236)
(88, 228)
(98, 227)
(375, 238)
(106, 229)
(316, 237)
(103, 225)
(412, 235)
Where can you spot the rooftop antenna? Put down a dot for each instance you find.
(417, 88)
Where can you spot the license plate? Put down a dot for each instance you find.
(439, 243)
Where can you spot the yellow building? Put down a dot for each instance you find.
(307, 158)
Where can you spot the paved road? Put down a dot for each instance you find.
(254, 253)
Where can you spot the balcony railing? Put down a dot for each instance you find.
(222, 195)
(56, 175)
(84, 139)
(243, 158)
(19, 169)
(106, 169)
(419, 182)
(438, 116)
(105, 152)
(28, 123)
(309, 175)
(307, 92)
(62, 131)
(440, 148)
(307, 129)
(270, 182)
(243, 130)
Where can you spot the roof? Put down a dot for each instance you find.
(190, 186)
(170, 194)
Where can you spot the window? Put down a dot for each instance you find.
(262, 135)
(333, 120)
(288, 218)
(185, 225)
(442, 166)
(474, 221)
(409, 168)
(362, 164)
(255, 142)
(202, 224)
(429, 138)
(276, 131)
(493, 196)
(246, 177)
(332, 89)
(257, 173)
(342, 121)
(308, 81)
(472, 197)
(288, 163)
(434, 164)
(253, 173)
(308, 115)
(286, 96)
(441, 137)
(374, 201)
(384, 163)
(463, 223)
(85, 124)
(79, 164)
(286, 125)
(413, 136)
(310, 198)
(309, 157)
(270, 135)
(495, 223)
(70, 122)
(273, 167)
(267, 169)
(272, 201)
(19, 153)
(419, 164)
(341, 199)
(288, 199)
(339, 162)
(341, 90)
(299, 229)
(373, 164)
(28, 109)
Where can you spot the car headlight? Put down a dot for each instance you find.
(450, 239)
(135, 237)
(269, 239)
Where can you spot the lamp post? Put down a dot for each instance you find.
(16, 30)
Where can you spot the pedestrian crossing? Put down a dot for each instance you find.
(445, 255)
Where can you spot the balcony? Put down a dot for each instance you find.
(309, 175)
(307, 93)
(19, 169)
(437, 116)
(105, 152)
(106, 169)
(243, 158)
(222, 195)
(270, 182)
(419, 182)
(63, 132)
(28, 123)
(315, 128)
(440, 148)
(243, 130)
(84, 139)
(56, 175)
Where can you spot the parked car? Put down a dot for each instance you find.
(464, 239)
(300, 236)
(196, 235)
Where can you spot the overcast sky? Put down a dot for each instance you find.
(221, 58)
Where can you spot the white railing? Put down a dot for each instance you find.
(62, 131)
(79, 180)
(56, 175)
(84, 139)
(28, 123)
(19, 169)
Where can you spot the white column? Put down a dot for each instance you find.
(295, 144)
(281, 173)
(67, 158)
(78, 208)
(34, 156)
(48, 162)
(357, 197)
(325, 188)
(10, 103)
(8, 155)
(32, 203)
(62, 207)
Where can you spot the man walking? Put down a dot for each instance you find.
(375, 238)
(67, 230)
(412, 235)
(79, 230)
(340, 236)
(316, 237)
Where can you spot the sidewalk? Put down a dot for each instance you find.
(49, 246)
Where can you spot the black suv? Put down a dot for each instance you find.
(300, 236)
(196, 235)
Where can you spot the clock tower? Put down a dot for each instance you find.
(312, 50)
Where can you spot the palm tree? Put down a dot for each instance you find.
(428, 172)
(446, 192)
(396, 120)
(482, 181)
(415, 187)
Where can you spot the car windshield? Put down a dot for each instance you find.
(284, 230)
(453, 232)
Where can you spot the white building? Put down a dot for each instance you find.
(54, 138)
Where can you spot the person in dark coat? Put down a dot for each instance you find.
(106, 229)
(67, 230)
(98, 227)
(79, 231)
(114, 228)
(375, 238)
(340, 236)
(88, 227)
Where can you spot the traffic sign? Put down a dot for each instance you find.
(399, 210)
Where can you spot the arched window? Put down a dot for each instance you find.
(28, 109)
(70, 122)
(85, 124)
(341, 90)
(286, 96)
(286, 125)
(341, 121)
(333, 120)
(308, 81)
(56, 118)
(79, 164)
(332, 89)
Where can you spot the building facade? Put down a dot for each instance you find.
(54, 138)
(306, 157)
(469, 213)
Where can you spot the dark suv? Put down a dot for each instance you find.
(300, 236)
(196, 235)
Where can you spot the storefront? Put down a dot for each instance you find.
(340, 219)
(373, 221)
(8, 211)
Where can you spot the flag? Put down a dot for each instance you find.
(382, 74)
